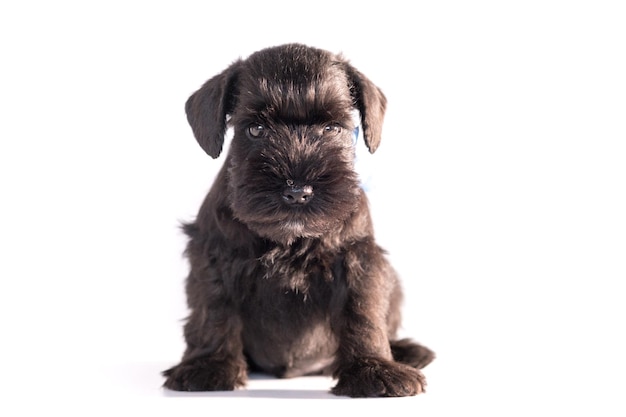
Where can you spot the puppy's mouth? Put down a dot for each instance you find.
(295, 211)
(293, 220)
(294, 227)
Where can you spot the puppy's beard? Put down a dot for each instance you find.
(289, 230)
(283, 224)
(256, 194)
(294, 227)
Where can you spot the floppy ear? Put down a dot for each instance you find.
(207, 109)
(371, 103)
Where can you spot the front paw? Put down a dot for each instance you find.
(378, 378)
(206, 374)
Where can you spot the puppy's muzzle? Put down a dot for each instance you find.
(295, 195)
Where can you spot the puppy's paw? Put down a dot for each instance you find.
(206, 374)
(378, 378)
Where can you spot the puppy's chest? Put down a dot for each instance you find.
(292, 297)
(274, 283)
(300, 269)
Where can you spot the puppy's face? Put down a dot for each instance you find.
(290, 166)
(291, 160)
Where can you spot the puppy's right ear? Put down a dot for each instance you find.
(207, 109)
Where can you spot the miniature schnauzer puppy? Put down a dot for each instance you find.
(285, 275)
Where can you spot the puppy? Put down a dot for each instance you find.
(285, 275)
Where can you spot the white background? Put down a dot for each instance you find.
(501, 197)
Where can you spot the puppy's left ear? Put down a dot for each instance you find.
(207, 109)
(371, 103)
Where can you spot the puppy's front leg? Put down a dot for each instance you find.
(364, 366)
(214, 359)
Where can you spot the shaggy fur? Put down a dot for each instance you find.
(286, 277)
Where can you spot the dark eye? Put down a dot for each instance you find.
(333, 129)
(256, 131)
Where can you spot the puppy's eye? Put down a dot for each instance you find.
(256, 131)
(333, 129)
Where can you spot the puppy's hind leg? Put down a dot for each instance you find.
(410, 353)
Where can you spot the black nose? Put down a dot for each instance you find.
(297, 195)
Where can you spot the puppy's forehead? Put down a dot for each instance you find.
(295, 85)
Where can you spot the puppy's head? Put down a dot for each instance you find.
(291, 159)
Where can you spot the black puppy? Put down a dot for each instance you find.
(286, 277)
